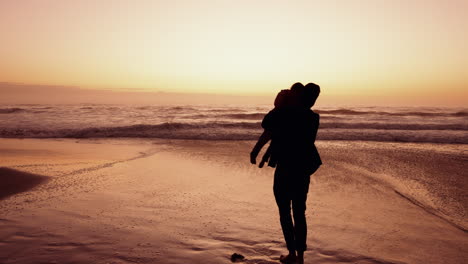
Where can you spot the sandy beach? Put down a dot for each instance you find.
(189, 201)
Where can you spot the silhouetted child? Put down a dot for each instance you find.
(284, 99)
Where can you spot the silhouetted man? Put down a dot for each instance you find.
(292, 130)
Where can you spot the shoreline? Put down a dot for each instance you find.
(189, 201)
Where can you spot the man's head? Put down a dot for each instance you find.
(310, 94)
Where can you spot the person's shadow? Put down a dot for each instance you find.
(14, 181)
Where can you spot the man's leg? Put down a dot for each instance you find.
(301, 188)
(283, 200)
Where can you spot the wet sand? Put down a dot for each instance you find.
(155, 201)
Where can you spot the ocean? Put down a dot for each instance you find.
(230, 122)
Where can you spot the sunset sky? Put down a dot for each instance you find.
(367, 50)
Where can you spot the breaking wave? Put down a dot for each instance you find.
(250, 130)
(11, 110)
(409, 113)
(231, 122)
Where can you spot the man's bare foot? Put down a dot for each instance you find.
(289, 259)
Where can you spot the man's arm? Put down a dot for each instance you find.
(264, 138)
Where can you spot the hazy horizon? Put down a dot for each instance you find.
(16, 93)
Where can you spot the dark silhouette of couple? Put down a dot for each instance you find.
(292, 127)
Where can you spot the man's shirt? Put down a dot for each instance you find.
(293, 135)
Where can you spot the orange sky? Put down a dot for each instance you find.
(361, 50)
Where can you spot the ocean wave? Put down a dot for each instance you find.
(11, 110)
(394, 126)
(164, 130)
(233, 112)
(460, 113)
(43, 107)
(237, 131)
(224, 110)
(180, 108)
(250, 116)
(344, 111)
(349, 112)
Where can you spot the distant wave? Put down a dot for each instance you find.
(461, 113)
(251, 131)
(11, 110)
(43, 107)
(180, 108)
(222, 110)
(393, 126)
(165, 130)
(410, 113)
(250, 116)
(231, 112)
(350, 112)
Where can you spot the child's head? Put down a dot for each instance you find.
(296, 87)
(289, 98)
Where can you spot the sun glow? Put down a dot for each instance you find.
(237, 47)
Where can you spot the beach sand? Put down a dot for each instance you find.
(177, 201)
